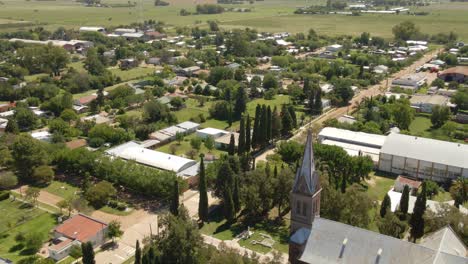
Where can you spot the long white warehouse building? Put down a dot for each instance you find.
(424, 158)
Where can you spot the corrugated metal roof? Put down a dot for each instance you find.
(352, 136)
(431, 150)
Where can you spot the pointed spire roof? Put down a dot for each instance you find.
(306, 180)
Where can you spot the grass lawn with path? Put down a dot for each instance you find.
(62, 189)
(218, 228)
(379, 184)
(184, 147)
(20, 218)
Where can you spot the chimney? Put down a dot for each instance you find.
(343, 246)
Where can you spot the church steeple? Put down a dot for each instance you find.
(307, 178)
(305, 194)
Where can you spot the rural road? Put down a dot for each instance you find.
(373, 90)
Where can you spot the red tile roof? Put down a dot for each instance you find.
(87, 99)
(77, 143)
(409, 182)
(80, 227)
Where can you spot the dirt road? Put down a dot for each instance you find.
(371, 91)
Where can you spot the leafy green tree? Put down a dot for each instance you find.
(180, 242)
(55, 59)
(405, 30)
(179, 137)
(209, 143)
(282, 186)
(290, 151)
(432, 188)
(27, 154)
(403, 115)
(390, 225)
(42, 175)
(99, 194)
(440, 115)
(32, 193)
(202, 187)
(33, 241)
(417, 220)
(8, 180)
(88, 253)
(404, 200)
(446, 215)
(385, 206)
(174, 209)
(270, 81)
(92, 63)
(12, 126)
(459, 191)
(114, 230)
(196, 143)
(25, 118)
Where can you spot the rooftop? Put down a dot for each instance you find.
(134, 151)
(431, 150)
(80, 227)
(352, 136)
(456, 70)
(429, 99)
(409, 182)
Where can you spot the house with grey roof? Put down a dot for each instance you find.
(410, 81)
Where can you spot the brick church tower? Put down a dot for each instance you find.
(305, 202)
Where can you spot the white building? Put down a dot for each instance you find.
(211, 132)
(410, 81)
(425, 103)
(156, 159)
(93, 29)
(423, 158)
(354, 143)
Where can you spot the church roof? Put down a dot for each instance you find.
(334, 242)
(307, 179)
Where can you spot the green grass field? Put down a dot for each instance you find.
(422, 127)
(24, 220)
(62, 189)
(269, 15)
(184, 147)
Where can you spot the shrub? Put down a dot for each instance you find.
(4, 195)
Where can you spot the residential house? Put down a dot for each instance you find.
(224, 141)
(211, 132)
(334, 48)
(155, 35)
(410, 81)
(93, 29)
(457, 74)
(127, 64)
(401, 182)
(424, 103)
(74, 231)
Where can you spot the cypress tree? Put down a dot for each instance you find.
(417, 219)
(137, 253)
(385, 205)
(241, 143)
(293, 115)
(175, 199)
(236, 195)
(286, 120)
(232, 146)
(248, 139)
(241, 102)
(262, 127)
(275, 124)
(255, 136)
(269, 124)
(203, 202)
(306, 88)
(88, 253)
(228, 205)
(404, 201)
(318, 108)
(311, 102)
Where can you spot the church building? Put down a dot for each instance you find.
(315, 240)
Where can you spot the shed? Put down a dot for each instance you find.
(211, 132)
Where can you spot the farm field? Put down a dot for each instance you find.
(269, 15)
(19, 218)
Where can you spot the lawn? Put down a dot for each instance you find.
(35, 220)
(184, 147)
(110, 210)
(135, 73)
(62, 189)
(421, 126)
(218, 228)
(378, 185)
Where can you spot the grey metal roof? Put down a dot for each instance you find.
(431, 150)
(334, 242)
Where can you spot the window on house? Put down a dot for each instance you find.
(298, 207)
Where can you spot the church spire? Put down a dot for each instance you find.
(307, 178)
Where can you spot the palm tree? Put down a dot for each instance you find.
(459, 191)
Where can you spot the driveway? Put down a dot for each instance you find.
(125, 247)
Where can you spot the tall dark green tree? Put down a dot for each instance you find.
(203, 202)
(269, 124)
(404, 201)
(292, 112)
(318, 107)
(256, 132)
(232, 145)
(241, 102)
(248, 138)
(241, 143)
(88, 253)
(275, 124)
(137, 253)
(263, 126)
(385, 205)
(307, 87)
(175, 199)
(236, 194)
(286, 120)
(417, 220)
(311, 101)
